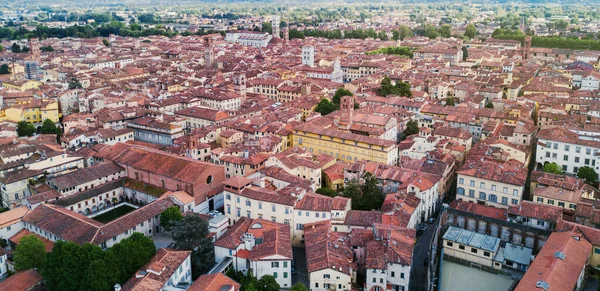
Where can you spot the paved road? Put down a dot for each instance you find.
(418, 279)
(299, 275)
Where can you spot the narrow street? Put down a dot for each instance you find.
(418, 279)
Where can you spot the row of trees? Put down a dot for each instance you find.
(84, 31)
(25, 128)
(393, 50)
(84, 267)
(339, 34)
(548, 41)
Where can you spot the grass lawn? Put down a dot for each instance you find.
(114, 213)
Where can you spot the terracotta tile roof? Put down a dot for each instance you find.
(70, 226)
(16, 239)
(86, 175)
(537, 211)
(328, 250)
(487, 211)
(559, 274)
(363, 218)
(165, 263)
(315, 202)
(12, 216)
(21, 281)
(214, 282)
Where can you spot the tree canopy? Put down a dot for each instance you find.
(327, 192)
(399, 89)
(4, 69)
(25, 128)
(552, 168)
(365, 196)
(325, 107)
(75, 84)
(470, 31)
(412, 127)
(30, 253)
(267, 283)
(49, 127)
(74, 267)
(589, 174)
(169, 217)
(191, 233)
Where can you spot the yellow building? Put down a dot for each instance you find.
(344, 145)
(332, 137)
(34, 112)
(22, 85)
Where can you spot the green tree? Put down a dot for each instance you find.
(105, 42)
(367, 196)
(169, 217)
(399, 89)
(191, 233)
(404, 32)
(4, 69)
(465, 53)
(445, 30)
(48, 127)
(298, 287)
(327, 192)
(75, 84)
(449, 101)
(267, 27)
(30, 253)
(47, 48)
(412, 127)
(1, 48)
(16, 48)
(25, 128)
(431, 32)
(589, 174)
(267, 283)
(339, 93)
(470, 31)
(552, 168)
(325, 107)
(489, 105)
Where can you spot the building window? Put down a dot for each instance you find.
(461, 247)
(571, 205)
(514, 202)
(481, 185)
(474, 250)
(493, 198)
(486, 254)
(504, 201)
(449, 243)
(274, 264)
(460, 191)
(561, 204)
(471, 193)
(504, 190)
(472, 183)
(482, 195)
(551, 202)
(461, 181)
(299, 226)
(493, 187)
(576, 159)
(577, 149)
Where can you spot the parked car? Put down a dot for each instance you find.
(419, 232)
(431, 220)
(424, 227)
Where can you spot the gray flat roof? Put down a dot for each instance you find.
(471, 238)
(517, 254)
